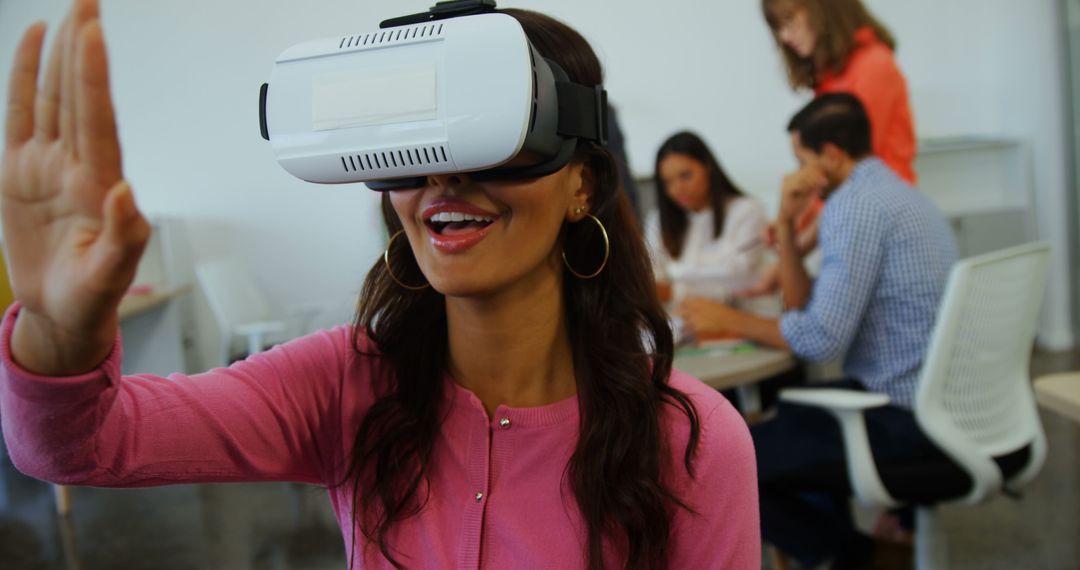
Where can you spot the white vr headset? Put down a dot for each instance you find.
(455, 89)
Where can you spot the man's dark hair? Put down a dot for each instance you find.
(837, 118)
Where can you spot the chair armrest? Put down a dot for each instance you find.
(835, 399)
(847, 407)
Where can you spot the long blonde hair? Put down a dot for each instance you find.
(834, 22)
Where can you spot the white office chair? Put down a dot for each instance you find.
(238, 308)
(974, 397)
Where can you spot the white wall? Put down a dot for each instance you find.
(998, 67)
(186, 78)
(1033, 104)
(974, 67)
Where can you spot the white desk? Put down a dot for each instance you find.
(738, 367)
(724, 368)
(1060, 393)
(134, 305)
(983, 185)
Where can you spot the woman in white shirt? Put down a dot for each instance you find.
(705, 235)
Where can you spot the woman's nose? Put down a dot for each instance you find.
(785, 36)
(451, 180)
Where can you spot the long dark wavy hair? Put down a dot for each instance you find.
(673, 219)
(622, 351)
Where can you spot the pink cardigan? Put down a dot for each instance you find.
(498, 494)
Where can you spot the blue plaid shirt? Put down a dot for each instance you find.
(886, 255)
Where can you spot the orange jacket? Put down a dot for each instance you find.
(871, 74)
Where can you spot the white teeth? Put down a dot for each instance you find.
(447, 217)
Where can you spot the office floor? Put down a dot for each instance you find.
(287, 527)
(1041, 530)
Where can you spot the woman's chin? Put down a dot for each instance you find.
(460, 286)
(494, 279)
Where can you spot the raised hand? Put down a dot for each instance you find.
(798, 190)
(72, 232)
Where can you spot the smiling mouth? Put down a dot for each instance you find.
(457, 223)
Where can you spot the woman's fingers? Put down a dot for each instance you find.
(22, 88)
(66, 107)
(82, 12)
(47, 112)
(97, 143)
(123, 221)
(124, 236)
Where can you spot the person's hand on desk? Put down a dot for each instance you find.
(709, 319)
(706, 318)
(73, 233)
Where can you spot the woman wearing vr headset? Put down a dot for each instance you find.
(705, 236)
(505, 397)
(838, 46)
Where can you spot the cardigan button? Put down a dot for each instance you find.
(479, 497)
(505, 423)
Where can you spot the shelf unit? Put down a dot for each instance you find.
(983, 185)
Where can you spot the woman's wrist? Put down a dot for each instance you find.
(41, 347)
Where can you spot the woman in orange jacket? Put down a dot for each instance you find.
(833, 46)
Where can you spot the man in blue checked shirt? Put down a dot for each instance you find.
(886, 255)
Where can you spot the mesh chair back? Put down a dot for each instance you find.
(974, 397)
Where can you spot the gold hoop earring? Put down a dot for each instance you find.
(386, 260)
(607, 252)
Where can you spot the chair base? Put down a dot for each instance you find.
(931, 547)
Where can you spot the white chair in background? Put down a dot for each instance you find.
(974, 398)
(239, 309)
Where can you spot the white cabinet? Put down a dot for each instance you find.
(155, 319)
(150, 327)
(980, 233)
(983, 186)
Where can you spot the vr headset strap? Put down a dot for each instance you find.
(442, 11)
(582, 111)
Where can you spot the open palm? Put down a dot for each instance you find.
(71, 229)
